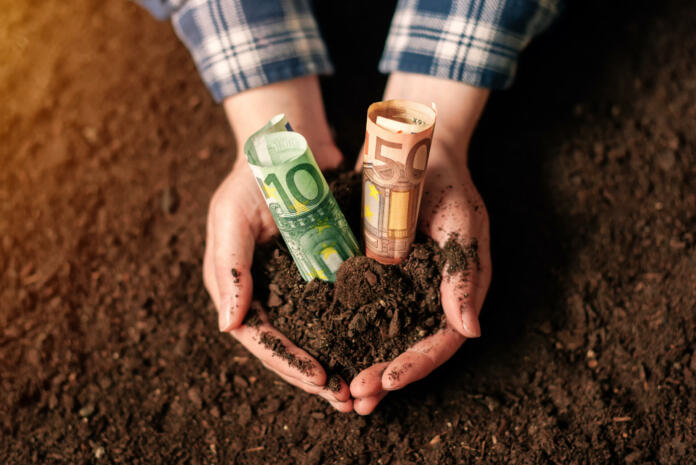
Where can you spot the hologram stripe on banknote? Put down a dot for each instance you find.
(397, 145)
(306, 213)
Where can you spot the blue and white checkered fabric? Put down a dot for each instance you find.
(475, 41)
(241, 44)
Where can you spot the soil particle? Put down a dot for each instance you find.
(253, 316)
(371, 278)
(272, 342)
(395, 324)
(460, 257)
(87, 410)
(314, 456)
(274, 300)
(358, 324)
(240, 382)
(194, 395)
(244, 414)
(396, 373)
(170, 200)
(334, 383)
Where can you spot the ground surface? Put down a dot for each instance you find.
(110, 149)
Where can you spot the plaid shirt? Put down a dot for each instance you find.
(241, 44)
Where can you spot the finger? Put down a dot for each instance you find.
(343, 407)
(209, 272)
(359, 162)
(233, 248)
(459, 295)
(368, 382)
(321, 391)
(460, 211)
(280, 355)
(367, 405)
(338, 388)
(338, 400)
(463, 294)
(422, 358)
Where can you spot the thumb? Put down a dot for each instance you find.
(233, 245)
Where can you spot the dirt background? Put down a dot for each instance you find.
(110, 149)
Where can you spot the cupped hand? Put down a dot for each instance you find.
(451, 208)
(238, 219)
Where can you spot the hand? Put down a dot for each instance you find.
(238, 219)
(451, 205)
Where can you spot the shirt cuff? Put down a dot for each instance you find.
(242, 44)
(476, 42)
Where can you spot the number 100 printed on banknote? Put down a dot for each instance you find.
(308, 217)
(397, 146)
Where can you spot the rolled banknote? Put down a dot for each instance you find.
(397, 145)
(308, 217)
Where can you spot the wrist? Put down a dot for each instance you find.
(459, 107)
(299, 99)
(445, 157)
(326, 155)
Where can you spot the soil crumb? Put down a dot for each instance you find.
(334, 383)
(373, 312)
(460, 259)
(306, 367)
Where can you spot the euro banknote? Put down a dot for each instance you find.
(304, 209)
(397, 147)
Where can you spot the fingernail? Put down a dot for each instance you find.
(471, 326)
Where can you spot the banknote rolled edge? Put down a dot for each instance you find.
(397, 146)
(314, 228)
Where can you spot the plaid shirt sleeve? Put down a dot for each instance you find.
(241, 44)
(474, 41)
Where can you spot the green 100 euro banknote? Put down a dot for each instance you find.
(314, 228)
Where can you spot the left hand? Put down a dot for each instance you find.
(451, 205)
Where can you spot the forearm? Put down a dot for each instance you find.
(300, 100)
(459, 107)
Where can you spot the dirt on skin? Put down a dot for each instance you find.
(109, 351)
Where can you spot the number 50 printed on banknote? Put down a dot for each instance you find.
(397, 146)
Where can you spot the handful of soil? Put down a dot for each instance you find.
(373, 312)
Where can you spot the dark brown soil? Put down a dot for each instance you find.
(110, 149)
(373, 313)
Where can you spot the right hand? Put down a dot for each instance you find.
(238, 219)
